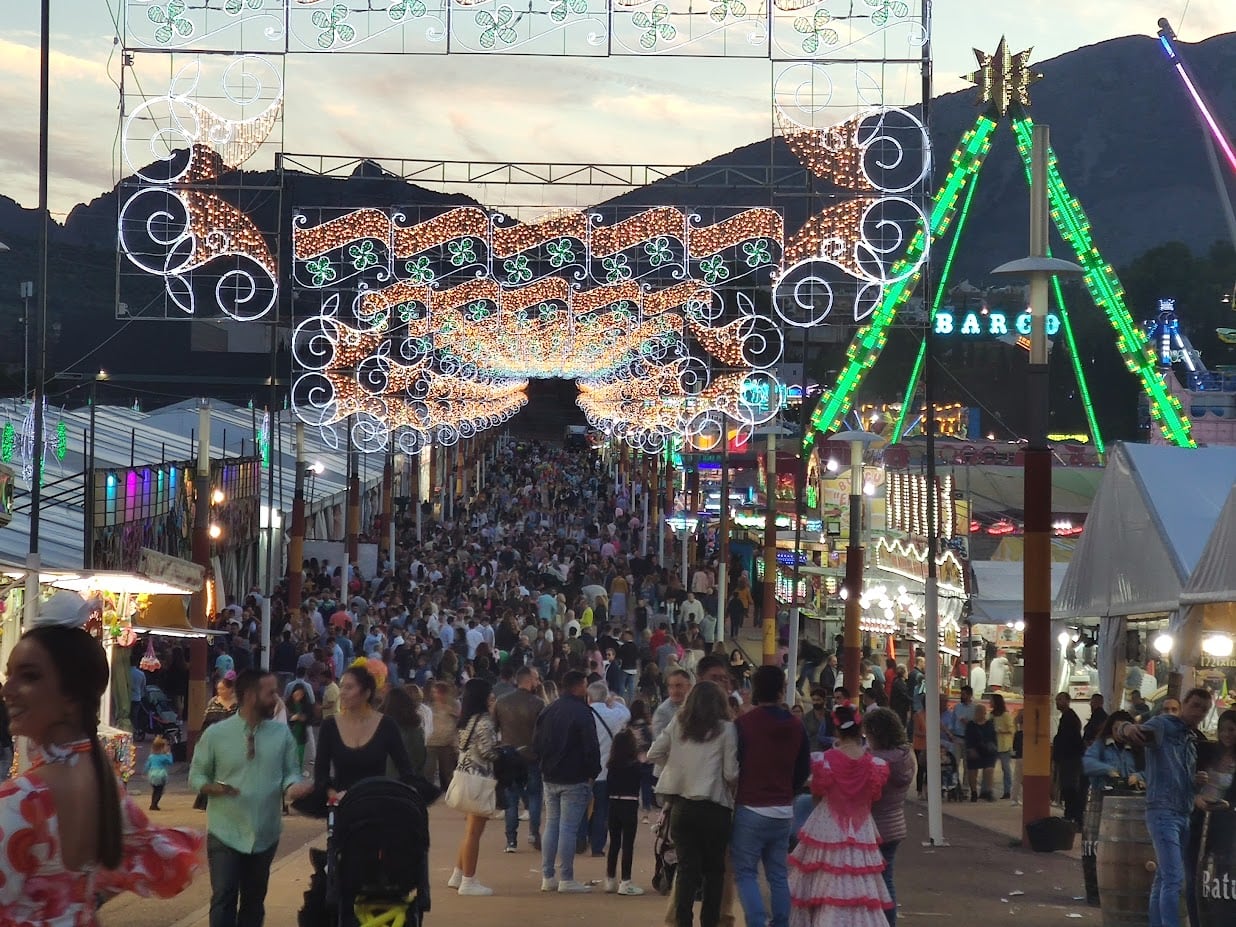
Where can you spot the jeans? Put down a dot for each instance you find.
(630, 682)
(593, 829)
(532, 796)
(808, 673)
(236, 876)
(648, 799)
(889, 852)
(701, 834)
(1169, 831)
(623, 823)
(441, 760)
(757, 838)
(1006, 772)
(565, 808)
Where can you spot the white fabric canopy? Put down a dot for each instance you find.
(1154, 510)
(998, 593)
(1214, 578)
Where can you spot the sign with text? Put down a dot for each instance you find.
(989, 324)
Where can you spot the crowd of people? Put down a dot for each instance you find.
(528, 660)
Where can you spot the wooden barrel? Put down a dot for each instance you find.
(1216, 871)
(1126, 862)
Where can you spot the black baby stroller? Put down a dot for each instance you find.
(156, 715)
(375, 869)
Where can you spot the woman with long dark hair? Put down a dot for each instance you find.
(478, 747)
(402, 707)
(835, 870)
(1006, 729)
(85, 837)
(358, 742)
(1106, 765)
(886, 738)
(698, 756)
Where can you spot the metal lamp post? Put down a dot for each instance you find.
(1038, 268)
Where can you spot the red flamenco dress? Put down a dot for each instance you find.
(38, 890)
(835, 870)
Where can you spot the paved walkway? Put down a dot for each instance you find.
(979, 872)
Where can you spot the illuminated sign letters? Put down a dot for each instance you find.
(990, 324)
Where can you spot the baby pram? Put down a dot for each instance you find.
(375, 869)
(156, 714)
(950, 776)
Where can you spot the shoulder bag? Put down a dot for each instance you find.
(471, 792)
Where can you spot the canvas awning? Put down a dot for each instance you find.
(1208, 599)
(1153, 512)
(997, 597)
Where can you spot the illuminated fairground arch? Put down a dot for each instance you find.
(411, 328)
(409, 304)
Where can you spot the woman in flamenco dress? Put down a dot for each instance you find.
(835, 869)
(71, 838)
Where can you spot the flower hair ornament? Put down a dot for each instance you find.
(849, 722)
(65, 609)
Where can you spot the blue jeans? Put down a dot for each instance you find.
(531, 795)
(565, 808)
(755, 839)
(629, 683)
(889, 852)
(237, 877)
(1169, 831)
(595, 829)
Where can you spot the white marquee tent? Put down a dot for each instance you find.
(1154, 510)
(1208, 600)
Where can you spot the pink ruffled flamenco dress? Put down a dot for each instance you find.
(835, 870)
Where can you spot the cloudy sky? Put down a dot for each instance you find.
(647, 111)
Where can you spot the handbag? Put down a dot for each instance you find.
(471, 792)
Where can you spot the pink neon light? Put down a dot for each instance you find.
(1210, 119)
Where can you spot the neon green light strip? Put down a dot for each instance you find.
(941, 285)
(1105, 288)
(1083, 388)
(869, 340)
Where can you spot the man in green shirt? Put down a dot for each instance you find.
(247, 766)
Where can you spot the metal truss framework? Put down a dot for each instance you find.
(844, 73)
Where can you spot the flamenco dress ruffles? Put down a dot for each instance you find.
(38, 890)
(835, 870)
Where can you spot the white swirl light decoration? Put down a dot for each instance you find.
(314, 400)
(810, 299)
(802, 92)
(877, 254)
(889, 138)
(241, 296)
(154, 231)
(314, 342)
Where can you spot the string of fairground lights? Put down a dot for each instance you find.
(869, 340)
(1108, 293)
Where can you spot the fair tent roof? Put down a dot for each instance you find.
(1213, 580)
(991, 488)
(1153, 512)
(997, 596)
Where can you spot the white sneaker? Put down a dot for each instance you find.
(549, 885)
(611, 886)
(455, 879)
(469, 886)
(523, 815)
(571, 887)
(626, 888)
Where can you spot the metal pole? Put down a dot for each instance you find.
(723, 529)
(27, 290)
(931, 590)
(661, 492)
(854, 575)
(1037, 506)
(88, 520)
(353, 524)
(685, 534)
(769, 613)
(296, 541)
(33, 565)
(422, 457)
(201, 556)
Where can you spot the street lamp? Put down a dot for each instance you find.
(1038, 268)
(858, 441)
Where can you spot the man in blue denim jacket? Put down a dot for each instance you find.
(1172, 781)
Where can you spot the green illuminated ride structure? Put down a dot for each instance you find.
(1003, 81)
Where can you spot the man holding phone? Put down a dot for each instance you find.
(247, 766)
(1172, 781)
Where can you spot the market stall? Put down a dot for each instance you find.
(1152, 515)
(996, 620)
